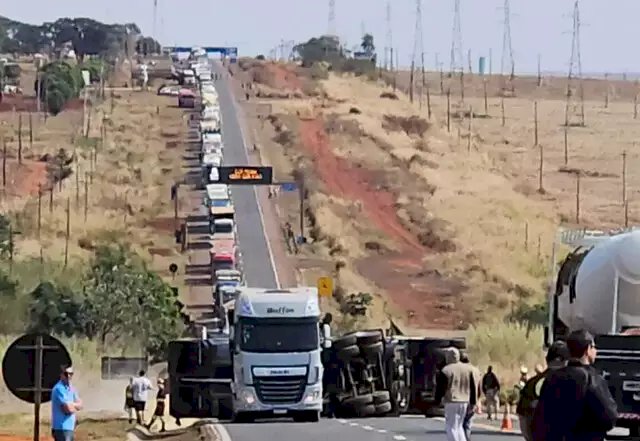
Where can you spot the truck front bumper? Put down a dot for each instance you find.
(245, 399)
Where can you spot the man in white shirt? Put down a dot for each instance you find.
(140, 387)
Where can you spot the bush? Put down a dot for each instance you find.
(61, 82)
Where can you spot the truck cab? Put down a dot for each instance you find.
(276, 347)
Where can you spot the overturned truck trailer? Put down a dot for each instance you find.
(371, 374)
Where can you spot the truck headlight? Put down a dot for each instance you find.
(248, 397)
(314, 375)
(311, 397)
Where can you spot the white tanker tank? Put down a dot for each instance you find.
(600, 289)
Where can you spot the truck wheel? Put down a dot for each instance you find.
(381, 396)
(343, 342)
(359, 401)
(383, 408)
(372, 349)
(347, 353)
(366, 410)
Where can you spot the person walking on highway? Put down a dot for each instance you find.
(158, 413)
(491, 391)
(128, 400)
(65, 403)
(475, 392)
(556, 358)
(456, 377)
(140, 386)
(575, 403)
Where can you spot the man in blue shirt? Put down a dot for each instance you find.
(64, 405)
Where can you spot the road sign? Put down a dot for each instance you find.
(28, 356)
(288, 186)
(245, 174)
(325, 286)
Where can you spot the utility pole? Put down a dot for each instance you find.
(331, 26)
(418, 49)
(388, 50)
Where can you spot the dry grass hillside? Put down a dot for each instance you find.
(444, 225)
(118, 189)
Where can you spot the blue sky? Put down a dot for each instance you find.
(541, 27)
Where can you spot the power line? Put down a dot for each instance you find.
(155, 19)
(418, 47)
(331, 28)
(507, 60)
(456, 40)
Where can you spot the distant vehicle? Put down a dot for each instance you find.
(169, 90)
(186, 99)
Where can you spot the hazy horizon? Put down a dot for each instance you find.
(256, 27)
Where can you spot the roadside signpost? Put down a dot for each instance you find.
(325, 286)
(31, 367)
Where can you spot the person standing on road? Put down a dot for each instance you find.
(456, 377)
(141, 386)
(128, 400)
(158, 414)
(65, 403)
(474, 395)
(491, 390)
(575, 403)
(556, 358)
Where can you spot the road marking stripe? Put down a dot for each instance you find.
(354, 424)
(367, 427)
(399, 437)
(381, 431)
(342, 421)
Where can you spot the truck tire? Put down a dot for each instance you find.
(372, 349)
(359, 401)
(366, 410)
(383, 408)
(348, 352)
(381, 396)
(368, 337)
(343, 342)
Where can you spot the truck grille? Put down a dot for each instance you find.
(280, 390)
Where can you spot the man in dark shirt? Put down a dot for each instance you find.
(575, 403)
(557, 357)
(491, 391)
(158, 414)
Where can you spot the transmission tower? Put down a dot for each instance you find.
(457, 61)
(575, 71)
(418, 49)
(331, 29)
(155, 18)
(507, 63)
(388, 50)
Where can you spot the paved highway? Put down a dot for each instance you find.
(259, 271)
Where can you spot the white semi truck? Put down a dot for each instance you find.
(276, 346)
(598, 289)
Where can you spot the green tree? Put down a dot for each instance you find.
(325, 48)
(367, 44)
(8, 296)
(6, 241)
(55, 310)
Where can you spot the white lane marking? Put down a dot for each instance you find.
(354, 424)
(367, 427)
(381, 431)
(399, 437)
(342, 421)
(255, 191)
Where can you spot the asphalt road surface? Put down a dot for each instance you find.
(256, 255)
(260, 272)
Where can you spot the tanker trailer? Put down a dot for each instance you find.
(597, 288)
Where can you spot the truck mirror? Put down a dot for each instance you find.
(547, 342)
(326, 336)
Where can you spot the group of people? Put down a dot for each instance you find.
(567, 401)
(136, 396)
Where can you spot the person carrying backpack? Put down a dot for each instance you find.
(556, 358)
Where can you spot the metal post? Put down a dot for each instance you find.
(301, 193)
(175, 207)
(38, 387)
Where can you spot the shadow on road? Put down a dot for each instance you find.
(198, 281)
(198, 270)
(198, 246)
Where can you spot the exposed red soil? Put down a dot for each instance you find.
(280, 77)
(21, 103)
(4, 437)
(25, 179)
(428, 298)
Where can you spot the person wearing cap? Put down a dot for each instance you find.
(65, 403)
(456, 377)
(575, 403)
(556, 358)
(158, 414)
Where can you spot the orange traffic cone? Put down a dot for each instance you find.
(507, 424)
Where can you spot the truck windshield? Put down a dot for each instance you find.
(223, 228)
(278, 335)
